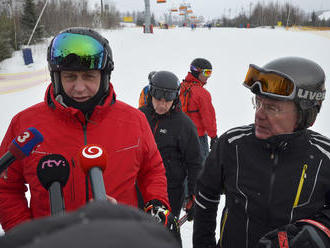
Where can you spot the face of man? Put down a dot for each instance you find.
(161, 106)
(202, 78)
(81, 85)
(274, 117)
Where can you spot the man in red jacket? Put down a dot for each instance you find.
(197, 103)
(80, 107)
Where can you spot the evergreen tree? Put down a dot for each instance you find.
(28, 21)
(5, 28)
(314, 18)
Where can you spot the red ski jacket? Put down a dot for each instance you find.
(201, 110)
(122, 130)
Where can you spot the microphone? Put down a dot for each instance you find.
(53, 172)
(21, 147)
(93, 160)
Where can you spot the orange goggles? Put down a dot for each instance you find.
(206, 72)
(270, 82)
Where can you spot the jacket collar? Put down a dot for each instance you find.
(280, 142)
(73, 113)
(190, 79)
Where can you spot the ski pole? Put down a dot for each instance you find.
(182, 220)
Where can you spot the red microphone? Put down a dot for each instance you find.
(93, 161)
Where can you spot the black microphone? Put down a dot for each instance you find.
(93, 160)
(53, 172)
(21, 147)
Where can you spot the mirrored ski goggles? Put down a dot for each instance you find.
(69, 48)
(270, 82)
(161, 93)
(206, 72)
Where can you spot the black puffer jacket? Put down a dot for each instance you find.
(267, 183)
(178, 143)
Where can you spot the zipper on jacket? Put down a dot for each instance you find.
(73, 193)
(274, 157)
(301, 183)
(299, 189)
(156, 127)
(225, 217)
(84, 126)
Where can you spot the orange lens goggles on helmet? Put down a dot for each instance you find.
(206, 72)
(270, 82)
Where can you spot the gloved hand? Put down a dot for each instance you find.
(157, 210)
(213, 142)
(296, 235)
(189, 207)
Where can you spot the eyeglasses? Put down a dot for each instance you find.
(206, 72)
(270, 109)
(270, 83)
(161, 93)
(69, 48)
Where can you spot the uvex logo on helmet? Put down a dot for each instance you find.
(311, 95)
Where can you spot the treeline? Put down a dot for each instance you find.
(270, 14)
(16, 25)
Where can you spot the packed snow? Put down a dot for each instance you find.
(230, 50)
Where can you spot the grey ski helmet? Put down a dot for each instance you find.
(164, 84)
(79, 49)
(308, 90)
(151, 74)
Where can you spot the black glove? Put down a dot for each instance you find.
(298, 235)
(213, 142)
(157, 210)
(189, 207)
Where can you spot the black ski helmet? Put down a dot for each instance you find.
(79, 49)
(164, 84)
(199, 64)
(309, 80)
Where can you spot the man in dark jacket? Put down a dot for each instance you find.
(175, 135)
(274, 173)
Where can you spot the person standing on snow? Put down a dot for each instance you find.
(275, 173)
(197, 103)
(176, 137)
(80, 108)
(145, 90)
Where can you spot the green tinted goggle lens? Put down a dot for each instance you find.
(89, 51)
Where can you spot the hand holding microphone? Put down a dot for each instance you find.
(21, 147)
(53, 172)
(93, 161)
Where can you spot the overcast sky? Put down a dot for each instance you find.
(212, 8)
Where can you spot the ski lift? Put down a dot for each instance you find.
(161, 1)
(181, 13)
(174, 10)
(189, 11)
(182, 7)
